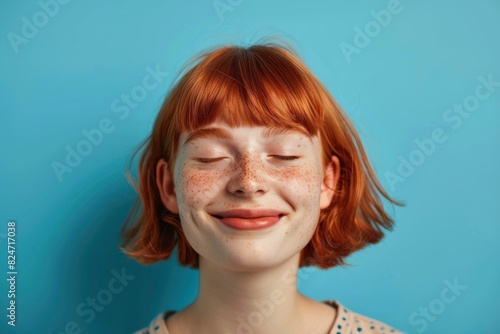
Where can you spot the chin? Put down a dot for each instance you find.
(251, 259)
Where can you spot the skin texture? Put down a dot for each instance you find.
(245, 169)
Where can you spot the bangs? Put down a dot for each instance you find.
(254, 86)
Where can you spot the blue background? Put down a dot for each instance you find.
(397, 89)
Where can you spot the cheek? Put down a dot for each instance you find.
(194, 187)
(303, 184)
(303, 190)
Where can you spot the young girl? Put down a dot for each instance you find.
(253, 171)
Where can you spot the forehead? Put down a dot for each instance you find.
(218, 131)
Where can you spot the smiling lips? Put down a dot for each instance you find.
(242, 219)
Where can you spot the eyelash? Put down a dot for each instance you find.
(286, 157)
(208, 160)
(280, 157)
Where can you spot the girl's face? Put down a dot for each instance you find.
(273, 181)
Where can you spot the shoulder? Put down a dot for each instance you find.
(348, 322)
(157, 325)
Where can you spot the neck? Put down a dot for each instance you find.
(263, 301)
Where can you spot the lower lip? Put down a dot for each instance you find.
(251, 223)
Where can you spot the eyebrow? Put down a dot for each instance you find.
(221, 133)
(217, 133)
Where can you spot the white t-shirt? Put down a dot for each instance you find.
(346, 322)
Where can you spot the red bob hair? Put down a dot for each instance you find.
(261, 85)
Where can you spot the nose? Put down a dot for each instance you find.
(249, 177)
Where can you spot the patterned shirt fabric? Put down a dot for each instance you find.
(346, 322)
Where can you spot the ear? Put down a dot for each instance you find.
(330, 178)
(166, 187)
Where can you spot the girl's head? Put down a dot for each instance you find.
(253, 128)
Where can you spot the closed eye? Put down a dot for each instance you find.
(208, 160)
(286, 157)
